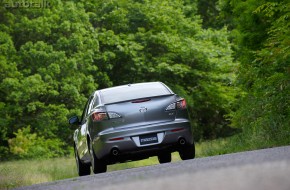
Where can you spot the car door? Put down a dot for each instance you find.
(82, 135)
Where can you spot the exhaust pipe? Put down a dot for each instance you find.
(115, 152)
(182, 141)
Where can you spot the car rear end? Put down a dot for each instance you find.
(137, 121)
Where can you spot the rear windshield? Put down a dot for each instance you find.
(134, 91)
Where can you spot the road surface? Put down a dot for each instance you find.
(267, 169)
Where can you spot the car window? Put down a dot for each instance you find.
(86, 109)
(96, 101)
(90, 105)
(134, 91)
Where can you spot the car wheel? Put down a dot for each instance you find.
(164, 158)
(187, 152)
(98, 166)
(82, 168)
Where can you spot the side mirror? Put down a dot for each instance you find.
(74, 120)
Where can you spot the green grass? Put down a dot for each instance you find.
(27, 172)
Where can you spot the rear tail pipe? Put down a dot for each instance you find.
(181, 141)
(115, 151)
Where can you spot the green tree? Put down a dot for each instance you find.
(50, 72)
(263, 41)
(162, 40)
(8, 72)
(53, 58)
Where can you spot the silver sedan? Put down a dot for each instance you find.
(131, 122)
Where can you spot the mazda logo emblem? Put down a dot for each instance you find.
(143, 109)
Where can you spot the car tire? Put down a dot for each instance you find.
(164, 158)
(82, 168)
(98, 166)
(187, 152)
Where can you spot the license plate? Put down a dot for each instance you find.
(148, 139)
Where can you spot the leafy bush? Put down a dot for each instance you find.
(4, 153)
(29, 145)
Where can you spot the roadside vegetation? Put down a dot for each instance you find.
(229, 59)
(28, 172)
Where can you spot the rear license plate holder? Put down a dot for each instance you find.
(148, 139)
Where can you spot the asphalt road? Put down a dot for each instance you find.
(267, 169)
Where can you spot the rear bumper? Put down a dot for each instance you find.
(125, 140)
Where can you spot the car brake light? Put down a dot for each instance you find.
(99, 116)
(141, 100)
(177, 105)
(181, 104)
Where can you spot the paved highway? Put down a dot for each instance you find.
(267, 169)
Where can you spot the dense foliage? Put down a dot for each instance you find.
(263, 37)
(52, 58)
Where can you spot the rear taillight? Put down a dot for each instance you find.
(181, 104)
(99, 116)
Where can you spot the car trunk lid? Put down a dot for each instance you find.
(143, 111)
